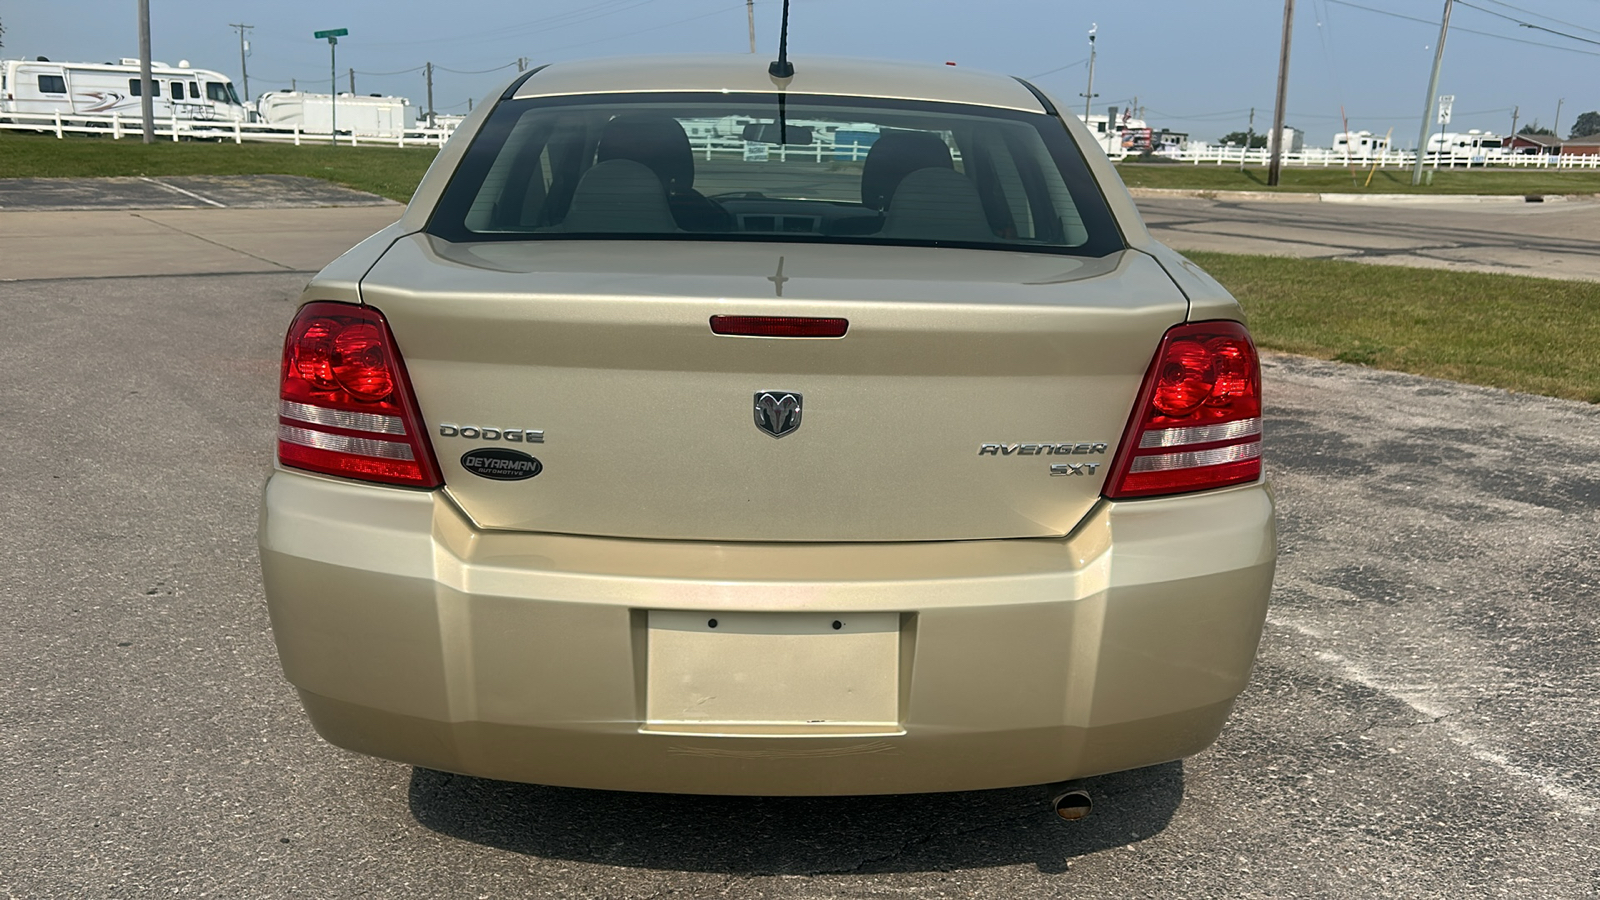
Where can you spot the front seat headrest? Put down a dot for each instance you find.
(619, 195)
(655, 140)
(895, 155)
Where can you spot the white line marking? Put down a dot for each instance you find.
(173, 187)
(1573, 800)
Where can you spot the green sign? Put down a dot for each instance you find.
(332, 33)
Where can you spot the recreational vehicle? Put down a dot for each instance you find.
(42, 87)
(1474, 148)
(370, 116)
(1360, 146)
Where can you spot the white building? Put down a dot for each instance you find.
(1294, 140)
(1120, 133)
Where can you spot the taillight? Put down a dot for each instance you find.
(345, 406)
(1197, 424)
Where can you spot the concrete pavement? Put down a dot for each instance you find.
(102, 244)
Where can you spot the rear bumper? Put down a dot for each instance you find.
(413, 636)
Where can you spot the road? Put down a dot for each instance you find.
(1424, 719)
(1555, 239)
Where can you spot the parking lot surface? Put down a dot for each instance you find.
(180, 192)
(1424, 719)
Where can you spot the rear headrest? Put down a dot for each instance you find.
(657, 141)
(895, 155)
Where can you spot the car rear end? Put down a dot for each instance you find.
(809, 480)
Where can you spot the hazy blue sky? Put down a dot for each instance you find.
(1193, 66)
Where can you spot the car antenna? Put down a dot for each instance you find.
(781, 67)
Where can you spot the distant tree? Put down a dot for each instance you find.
(1587, 124)
(1238, 138)
(1535, 128)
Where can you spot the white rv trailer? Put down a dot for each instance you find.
(1361, 146)
(370, 116)
(1475, 148)
(42, 87)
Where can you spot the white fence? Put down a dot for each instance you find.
(1316, 158)
(117, 127)
(708, 147)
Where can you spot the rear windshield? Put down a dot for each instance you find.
(757, 167)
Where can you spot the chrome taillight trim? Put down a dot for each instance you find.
(1166, 462)
(377, 423)
(1200, 434)
(343, 443)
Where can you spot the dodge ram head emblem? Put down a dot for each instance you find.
(777, 412)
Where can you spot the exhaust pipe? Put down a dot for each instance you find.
(1073, 805)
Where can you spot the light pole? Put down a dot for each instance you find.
(333, 36)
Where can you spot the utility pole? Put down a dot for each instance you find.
(1089, 94)
(750, 13)
(522, 64)
(147, 105)
(1280, 103)
(244, 73)
(1249, 138)
(352, 82)
(1557, 126)
(1514, 111)
(428, 68)
(1433, 87)
(469, 104)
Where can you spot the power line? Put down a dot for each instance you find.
(536, 26)
(1073, 65)
(400, 72)
(1543, 16)
(1501, 37)
(714, 12)
(474, 71)
(1527, 24)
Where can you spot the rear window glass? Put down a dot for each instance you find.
(744, 167)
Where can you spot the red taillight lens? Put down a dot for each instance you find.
(779, 326)
(1197, 423)
(345, 406)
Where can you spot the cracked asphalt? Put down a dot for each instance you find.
(1555, 239)
(1424, 719)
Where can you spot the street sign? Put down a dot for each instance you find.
(1446, 101)
(333, 35)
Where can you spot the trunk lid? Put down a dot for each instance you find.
(966, 375)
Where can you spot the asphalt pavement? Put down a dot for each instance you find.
(1558, 238)
(1423, 721)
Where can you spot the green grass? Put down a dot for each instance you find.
(391, 172)
(1212, 177)
(1533, 335)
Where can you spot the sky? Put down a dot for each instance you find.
(1192, 67)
